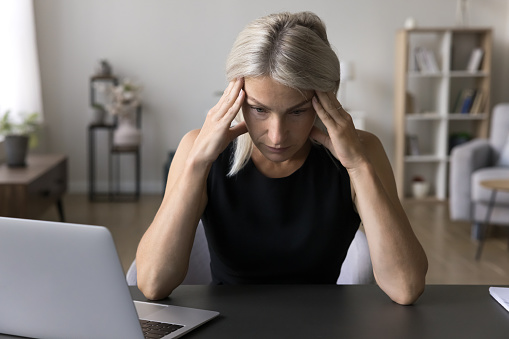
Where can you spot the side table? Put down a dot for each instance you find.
(114, 193)
(494, 185)
(26, 192)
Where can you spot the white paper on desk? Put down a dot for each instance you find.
(501, 294)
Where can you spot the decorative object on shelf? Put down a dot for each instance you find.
(410, 23)
(458, 138)
(126, 100)
(104, 68)
(425, 60)
(420, 187)
(413, 145)
(462, 10)
(475, 60)
(98, 114)
(19, 136)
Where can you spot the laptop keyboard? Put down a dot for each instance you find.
(154, 329)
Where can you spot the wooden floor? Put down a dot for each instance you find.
(448, 244)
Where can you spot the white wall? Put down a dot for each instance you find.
(177, 50)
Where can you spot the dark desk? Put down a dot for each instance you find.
(443, 311)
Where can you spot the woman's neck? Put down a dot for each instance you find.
(283, 169)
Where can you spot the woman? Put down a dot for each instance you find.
(281, 198)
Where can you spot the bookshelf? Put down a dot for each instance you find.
(442, 89)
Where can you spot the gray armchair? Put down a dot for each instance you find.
(356, 269)
(474, 161)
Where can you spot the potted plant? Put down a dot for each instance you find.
(420, 187)
(18, 136)
(99, 114)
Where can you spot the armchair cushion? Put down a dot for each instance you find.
(482, 194)
(503, 160)
(481, 197)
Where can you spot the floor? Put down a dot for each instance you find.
(448, 244)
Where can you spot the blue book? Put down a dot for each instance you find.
(468, 99)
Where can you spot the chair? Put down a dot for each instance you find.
(356, 269)
(473, 162)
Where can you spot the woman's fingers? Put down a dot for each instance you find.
(232, 111)
(329, 108)
(231, 97)
(323, 113)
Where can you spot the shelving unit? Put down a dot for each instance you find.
(425, 101)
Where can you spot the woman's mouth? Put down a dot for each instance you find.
(277, 149)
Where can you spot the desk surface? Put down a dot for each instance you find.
(352, 311)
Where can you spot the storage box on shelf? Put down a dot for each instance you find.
(442, 89)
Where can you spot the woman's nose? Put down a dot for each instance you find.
(277, 131)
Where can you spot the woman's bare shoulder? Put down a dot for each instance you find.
(369, 139)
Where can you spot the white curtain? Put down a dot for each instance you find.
(20, 85)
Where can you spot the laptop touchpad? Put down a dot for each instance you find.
(146, 309)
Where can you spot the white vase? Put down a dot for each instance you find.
(420, 189)
(127, 134)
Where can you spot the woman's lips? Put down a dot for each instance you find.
(277, 149)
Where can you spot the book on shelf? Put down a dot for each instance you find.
(468, 101)
(474, 63)
(425, 60)
(477, 105)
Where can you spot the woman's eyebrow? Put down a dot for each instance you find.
(248, 98)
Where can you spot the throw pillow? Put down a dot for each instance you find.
(504, 155)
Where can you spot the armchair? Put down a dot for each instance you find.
(356, 269)
(473, 162)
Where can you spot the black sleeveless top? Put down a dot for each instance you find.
(295, 229)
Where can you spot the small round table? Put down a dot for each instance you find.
(494, 185)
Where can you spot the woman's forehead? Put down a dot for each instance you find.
(266, 90)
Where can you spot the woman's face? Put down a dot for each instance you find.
(278, 118)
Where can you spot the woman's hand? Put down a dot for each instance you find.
(399, 262)
(342, 140)
(216, 133)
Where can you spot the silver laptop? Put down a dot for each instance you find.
(61, 280)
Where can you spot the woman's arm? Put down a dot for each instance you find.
(399, 261)
(162, 257)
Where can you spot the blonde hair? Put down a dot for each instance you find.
(290, 48)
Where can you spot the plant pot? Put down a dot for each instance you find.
(420, 189)
(16, 149)
(98, 116)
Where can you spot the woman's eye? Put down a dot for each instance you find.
(258, 109)
(298, 112)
